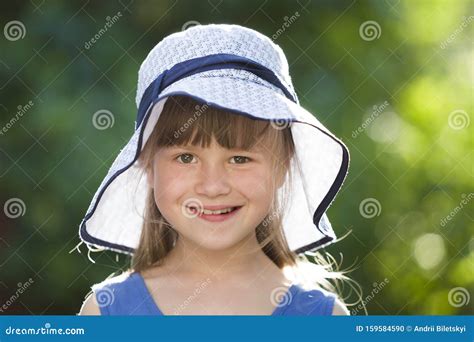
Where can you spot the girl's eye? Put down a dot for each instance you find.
(185, 158)
(240, 159)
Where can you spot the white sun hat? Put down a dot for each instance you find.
(242, 71)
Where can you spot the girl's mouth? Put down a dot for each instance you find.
(215, 215)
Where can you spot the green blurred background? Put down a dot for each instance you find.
(393, 79)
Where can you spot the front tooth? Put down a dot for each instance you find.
(216, 212)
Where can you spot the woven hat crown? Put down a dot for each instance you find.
(204, 40)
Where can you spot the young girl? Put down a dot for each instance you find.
(221, 189)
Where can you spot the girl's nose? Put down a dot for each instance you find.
(213, 181)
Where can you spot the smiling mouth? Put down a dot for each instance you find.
(201, 211)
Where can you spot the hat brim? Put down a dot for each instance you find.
(115, 216)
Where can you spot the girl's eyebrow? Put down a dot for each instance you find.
(254, 149)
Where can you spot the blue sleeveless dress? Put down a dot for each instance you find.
(127, 294)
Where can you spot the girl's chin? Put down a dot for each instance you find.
(215, 245)
(216, 241)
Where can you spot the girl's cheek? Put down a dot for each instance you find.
(165, 168)
(255, 180)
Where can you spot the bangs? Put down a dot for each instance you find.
(185, 121)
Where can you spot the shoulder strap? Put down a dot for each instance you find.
(310, 303)
(121, 295)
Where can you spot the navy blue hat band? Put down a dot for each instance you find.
(201, 64)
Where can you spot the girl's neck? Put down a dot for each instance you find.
(243, 260)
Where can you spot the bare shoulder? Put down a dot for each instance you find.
(340, 309)
(90, 307)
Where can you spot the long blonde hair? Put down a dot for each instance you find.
(186, 121)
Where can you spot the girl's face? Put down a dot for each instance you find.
(208, 177)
